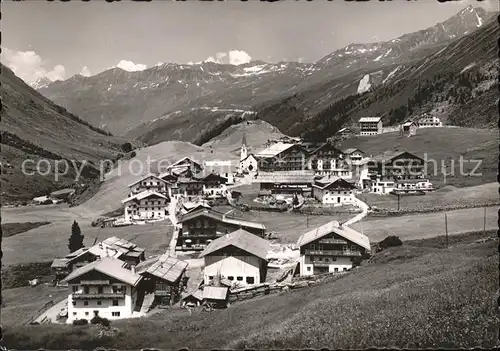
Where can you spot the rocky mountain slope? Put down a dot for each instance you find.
(34, 128)
(457, 83)
(174, 101)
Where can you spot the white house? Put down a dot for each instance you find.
(427, 121)
(382, 186)
(249, 164)
(104, 288)
(225, 169)
(239, 257)
(146, 205)
(150, 182)
(370, 125)
(214, 186)
(354, 156)
(331, 248)
(336, 191)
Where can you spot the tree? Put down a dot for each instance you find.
(295, 201)
(127, 147)
(76, 238)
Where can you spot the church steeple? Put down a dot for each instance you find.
(244, 149)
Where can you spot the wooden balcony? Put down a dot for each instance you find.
(89, 296)
(333, 241)
(94, 282)
(332, 253)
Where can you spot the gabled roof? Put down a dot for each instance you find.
(249, 155)
(215, 292)
(389, 155)
(345, 129)
(370, 119)
(409, 123)
(213, 177)
(143, 195)
(207, 212)
(59, 263)
(324, 145)
(178, 163)
(241, 239)
(196, 294)
(111, 267)
(274, 150)
(335, 227)
(146, 177)
(334, 183)
(167, 268)
(351, 150)
(168, 177)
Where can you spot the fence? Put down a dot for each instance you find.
(42, 310)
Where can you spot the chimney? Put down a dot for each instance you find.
(132, 268)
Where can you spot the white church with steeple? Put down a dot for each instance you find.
(248, 162)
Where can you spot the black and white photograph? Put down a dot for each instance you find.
(252, 174)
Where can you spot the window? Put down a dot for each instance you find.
(308, 269)
(74, 303)
(74, 313)
(115, 314)
(336, 269)
(99, 303)
(85, 303)
(313, 246)
(99, 290)
(86, 290)
(250, 280)
(211, 277)
(75, 288)
(86, 313)
(230, 278)
(115, 289)
(334, 258)
(239, 278)
(115, 302)
(345, 269)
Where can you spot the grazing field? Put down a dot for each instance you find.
(20, 304)
(421, 296)
(442, 145)
(447, 197)
(10, 229)
(45, 243)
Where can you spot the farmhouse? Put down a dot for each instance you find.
(225, 169)
(282, 157)
(61, 267)
(183, 165)
(146, 205)
(402, 164)
(216, 296)
(370, 125)
(148, 183)
(163, 276)
(354, 156)
(336, 191)
(239, 257)
(331, 247)
(104, 288)
(409, 128)
(203, 225)
(328, 160)
(190, 188)
(214, 186)
(427, 121)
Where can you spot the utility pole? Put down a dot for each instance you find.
(307, 216)
(484, 222)
(446, 227)
(398, 200)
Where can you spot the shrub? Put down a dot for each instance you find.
(133, 154)
(80, 322)
(127, 147)
(99, 320)
(47, 202)
(390, 241)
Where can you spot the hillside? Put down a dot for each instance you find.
(458, 81)
(448, 296)
(181, 102)
(34, 128)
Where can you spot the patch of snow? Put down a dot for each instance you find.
(197, 84)
(468, 67)
(479, 21)
(379, 57)
(364, 84)
(136, 84)
(390, 74)
(257, 68)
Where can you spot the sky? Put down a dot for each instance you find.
(58, 40)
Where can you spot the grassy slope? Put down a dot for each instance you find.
(45, 126)
(414, 296)
(441, 144)
(9, 229)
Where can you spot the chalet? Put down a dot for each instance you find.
(328, 160)
(336, 191)
(354, 156)
(104, 288)
(146, 205)
(164, 277)
(427, 121)
(193, 299)
(214, 186)
(332, 248)
(184, 164)
(61, 267)
(190, 188)
(202, 226)
(286, 182)
(150, 182)
(224, 169)
(344, 132)
(409, 128)
(402, 164)
(239, 257)
(370, 125)
(282, 157)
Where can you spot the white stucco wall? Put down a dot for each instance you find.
(232, 266)
(341, 264)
